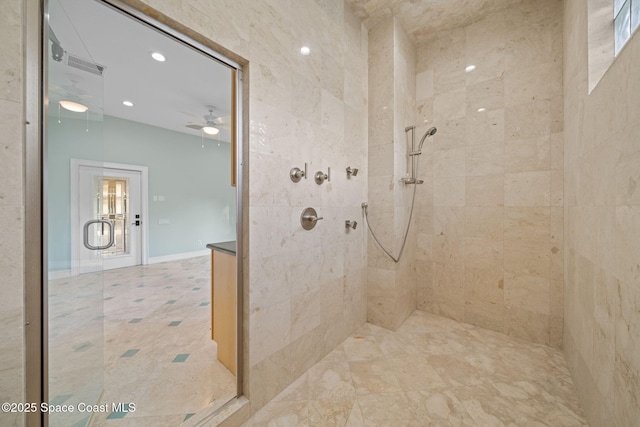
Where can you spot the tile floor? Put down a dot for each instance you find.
(433, 371)
(150, 344)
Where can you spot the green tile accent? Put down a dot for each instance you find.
(171, 301)
(116, 415)
(196, 289)
(82, 347)
(138, 300)
(108, 298)
(82, 423)
(175, 323)
(136, 320)
(130, 353)
(59, 400)
(202, 304)
(188, 416)
(180, 358)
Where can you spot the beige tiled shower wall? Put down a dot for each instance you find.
(391, 293)
(381, 295)
(404, 113)
(602, 220)
(490, 229)
(11, 209)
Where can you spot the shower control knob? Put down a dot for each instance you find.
(296, 174)
(309, 218)
(350, 224)
(320, 176)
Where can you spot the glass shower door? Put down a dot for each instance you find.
(75, 100)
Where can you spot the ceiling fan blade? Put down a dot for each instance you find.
(194, 126)
(222, 120)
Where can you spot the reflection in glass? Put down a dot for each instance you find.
(75, 328)
(135, 332)
(622, 25)
(635, 15)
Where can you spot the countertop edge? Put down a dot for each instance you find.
(226, 247)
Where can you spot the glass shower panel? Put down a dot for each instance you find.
(140, 270)
(74, 129)
(635, 15)
(622, 27)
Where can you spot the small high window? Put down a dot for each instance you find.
(626, 19)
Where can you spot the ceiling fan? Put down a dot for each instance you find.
(212, 123)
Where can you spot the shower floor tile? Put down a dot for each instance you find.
(432, 371)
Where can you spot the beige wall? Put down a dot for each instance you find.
(492, 228)
(307, 289)
(11, 209)
(602, 227)
(391, 295)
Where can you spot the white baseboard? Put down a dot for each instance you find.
(59, 274)
(176, 257)
(63, 274)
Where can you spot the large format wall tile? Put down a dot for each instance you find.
(601, 299)
(497, 171)
(392, 89)
(12, 250)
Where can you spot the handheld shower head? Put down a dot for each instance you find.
(430, 132)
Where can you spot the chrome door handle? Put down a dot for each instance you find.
(85, 234)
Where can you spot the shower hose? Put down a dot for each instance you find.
(365, 209)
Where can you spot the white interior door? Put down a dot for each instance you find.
(109, 218)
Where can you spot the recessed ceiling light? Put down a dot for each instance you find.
(470, 68)
(73, 106)
(481, 110)
(305, 50)
(158, 56)
(127, 103)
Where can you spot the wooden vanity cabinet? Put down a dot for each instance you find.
(223, 303)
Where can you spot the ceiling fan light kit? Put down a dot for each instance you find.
(76, 107)
(211, 124)
(210, 130)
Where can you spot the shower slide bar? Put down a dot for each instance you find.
(408, 180)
